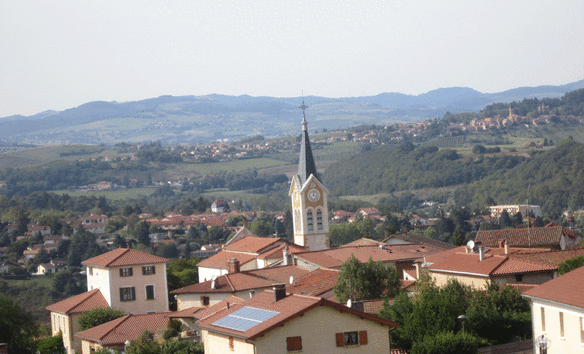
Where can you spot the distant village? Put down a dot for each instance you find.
(279, 294)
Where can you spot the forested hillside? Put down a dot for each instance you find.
(404, 167)
(553, 179)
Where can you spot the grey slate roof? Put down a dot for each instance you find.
(306, 165)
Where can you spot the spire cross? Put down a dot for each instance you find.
(303, 108)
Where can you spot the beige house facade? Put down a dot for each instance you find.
(557, 310)
(298, 324)
(130, 280)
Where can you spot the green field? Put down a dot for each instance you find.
(46, 154)
(130, 193)
(178, 171)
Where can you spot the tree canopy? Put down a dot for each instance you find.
(98, 316)
(367, 281)
(17, 326)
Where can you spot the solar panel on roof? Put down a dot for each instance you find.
(245, 318)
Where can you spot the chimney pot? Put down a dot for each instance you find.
(481, 253)
(279, 292)
(233, 266)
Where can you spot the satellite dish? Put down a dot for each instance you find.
(291, 280)
(349, 303)
(470, 244)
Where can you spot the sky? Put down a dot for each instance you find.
(56, 55)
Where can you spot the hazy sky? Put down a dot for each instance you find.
(61, 54)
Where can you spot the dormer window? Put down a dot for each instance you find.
(126, 272)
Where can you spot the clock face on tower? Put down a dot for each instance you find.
(313, 195)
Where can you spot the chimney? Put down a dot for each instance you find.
(506, 247)
(251, 293)
(501, 243)
(358, 305)
(285, 256)
(418, 271)
(481, 253)
(233, 266)
(279, 292)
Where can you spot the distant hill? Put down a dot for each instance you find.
(191, 119)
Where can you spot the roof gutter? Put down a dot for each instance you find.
(462, 273)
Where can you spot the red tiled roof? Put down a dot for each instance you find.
(491, 265)
(554, 257)
(220, 259)
(524, 237)
(334, 258)
(124, 257)
(222, 305)
(254, 279)
(373, 307)
(288, 308)
(363, 242)
(126, 328)
(314, 283)
(277, 252)
(252, 244)
(566, 289)
(413, 238)
(80, 303)
(241, 234)
(405, 284)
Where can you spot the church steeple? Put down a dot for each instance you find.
(306, 165)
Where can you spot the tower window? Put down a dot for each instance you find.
(309, 220)
(319, 219)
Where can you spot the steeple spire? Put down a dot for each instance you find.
(306, 165)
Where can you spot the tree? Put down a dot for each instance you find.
(17, 326)
(142, 233)
(505, 219)
(458, 238)
(261, 228)
(448, 343)
(66, 282)
(50, 345)
(98, 316)
(366, 281)
(571, 264)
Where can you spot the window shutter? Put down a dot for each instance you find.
(340, 340)
(133, 290)
(121, 272)
(293, 343)
(363, 338)
(131, 271)
(121, 293)
(153, 269)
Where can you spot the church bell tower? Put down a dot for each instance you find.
(309, 199)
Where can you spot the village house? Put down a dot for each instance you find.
(219, 206)
(52, 267)
(557, 311)
(241, 284)
(114, 334)
(65, 315)
(130, 280)
(550, 236)
(246, 251)
(277, 322)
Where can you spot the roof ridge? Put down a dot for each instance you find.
(229, 282)
(116, 258)
(122, 320)
(506, 258)
(89, 294)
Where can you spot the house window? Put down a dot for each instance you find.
(205, 300)
(90, 270)
(561, 324)
(309, 220)
(149, 292)
(542, 319)
(127, 294)
(231, 344)
(148, 270)
(319, 219)
(349, 339)
(293, 343)
(519, 278)
(125, 272)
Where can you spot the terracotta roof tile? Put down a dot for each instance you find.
(252, 244)
(314, 283)
(80, 303)
(124, 257)
(363, 242)
(373, 307)
(334, 258)
(232, 301)
(220, 259)
(413, 238)
(554, 257)
(128, 327)
(277, 252)
(524, 237)
(566, 289)
(288, 308)
(254, 279)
